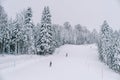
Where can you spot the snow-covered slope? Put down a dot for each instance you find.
(81, 64)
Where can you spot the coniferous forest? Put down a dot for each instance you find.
(22, 36)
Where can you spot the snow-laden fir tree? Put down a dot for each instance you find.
(13, 36)
(16, 34)
(28, 33)
(105, 45)
(4, 31)
(36, 33)
(116, 52)
(46, 42)
(109, 47)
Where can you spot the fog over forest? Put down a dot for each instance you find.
(90, 13)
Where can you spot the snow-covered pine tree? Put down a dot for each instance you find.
(4, 31)
(28, 26)
(13, 32)
(16, 34)
(100, 45)
(36, 33)
(116, 52)
(105, 45)
(45, 44)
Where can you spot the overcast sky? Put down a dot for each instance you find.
(90, 13)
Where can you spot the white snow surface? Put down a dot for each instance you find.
(82, 63)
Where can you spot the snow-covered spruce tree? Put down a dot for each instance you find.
(105, 46)
(4, 31)
(109, 47)
(16, 34)
(45, 44)
(19, 25)
(36, 33)
(116, 52)
(28, 32)
(100, 45)
(13, 32)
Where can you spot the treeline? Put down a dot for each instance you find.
(77, 35)
(22, 36)
(109, 47)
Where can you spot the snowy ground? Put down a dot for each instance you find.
(81, 64)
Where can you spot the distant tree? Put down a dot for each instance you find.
(57, 34)
(82, 35)
(86, 35)
(93, 36)
(67, 33)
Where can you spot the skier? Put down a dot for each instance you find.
(66, 54)
(50, 64)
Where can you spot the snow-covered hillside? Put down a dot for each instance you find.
(81, 64)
